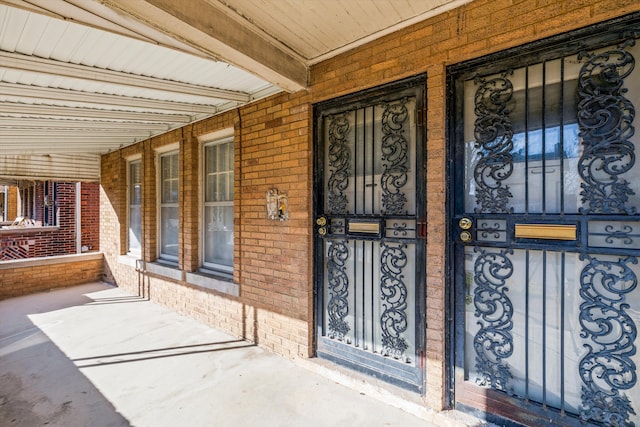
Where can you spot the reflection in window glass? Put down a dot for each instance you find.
(169, 207)
(218, 206)
(135, 206)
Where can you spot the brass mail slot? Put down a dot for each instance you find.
(546, 231)
(364, 227)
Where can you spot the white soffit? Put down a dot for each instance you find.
(85, 77)
(67, 88)
(56, 167)
(319, 29)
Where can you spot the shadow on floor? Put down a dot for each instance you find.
(39, 384)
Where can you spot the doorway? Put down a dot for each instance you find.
(545, 231)
(369, 239)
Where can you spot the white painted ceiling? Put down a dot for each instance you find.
(84, 77)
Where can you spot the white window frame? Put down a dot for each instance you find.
(130, 183)
(173, 259)
(223, 138)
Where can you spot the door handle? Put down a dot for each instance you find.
(321, 222)
(465, 236)
(465, 225)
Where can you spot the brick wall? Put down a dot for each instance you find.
(274, 149)
(12, 209)
(274, 255)
(471, 31)
(65, 240)
(52, 241)
(90, 215)
(30, 244)
(30, 276)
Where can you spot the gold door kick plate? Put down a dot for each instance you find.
(546, 231)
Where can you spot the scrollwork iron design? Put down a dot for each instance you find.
(485, 229)
(493, 132)
(400, 229)
(493, 342)
(605, 119)
(338, 287)
(607, 368)
(394, 300)
(394, 156)
(337, 226)
(625, 234)
(339, 163)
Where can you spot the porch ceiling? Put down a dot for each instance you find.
(84, 77)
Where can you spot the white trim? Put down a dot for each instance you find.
(159, 154)
(219, 134)
(164, 149)
(78, 218)
(136, 158)
(229, 138)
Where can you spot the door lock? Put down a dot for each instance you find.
(465, 236)
(465, 223)
(321, 221)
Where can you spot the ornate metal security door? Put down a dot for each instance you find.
(369, 233)
(546, 233)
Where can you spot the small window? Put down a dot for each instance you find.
(218, 207)
(135, 205)
(169, 207)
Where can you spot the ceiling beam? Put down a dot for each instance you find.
(65, 95)
(81, 144)
(28, 147)
(24, 63)
(66, 140)
(214, 29)
(9, 108)
(95, 15)
(86, 134)
(26, 123)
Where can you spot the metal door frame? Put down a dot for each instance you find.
(357, 100)
(589, 38)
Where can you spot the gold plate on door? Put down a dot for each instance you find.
(364, 227)
(546, 231)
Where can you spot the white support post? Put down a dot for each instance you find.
(78, 218)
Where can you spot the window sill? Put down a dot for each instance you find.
(201, 279)
(207, 281)
(130, 260)
(27, 230)
(164, 269)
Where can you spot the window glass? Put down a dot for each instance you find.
(135, 205)
(169, 207)
(218, 206)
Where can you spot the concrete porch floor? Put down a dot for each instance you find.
(93, 355)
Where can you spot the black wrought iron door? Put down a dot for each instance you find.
(546, 235)
(369, 233)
